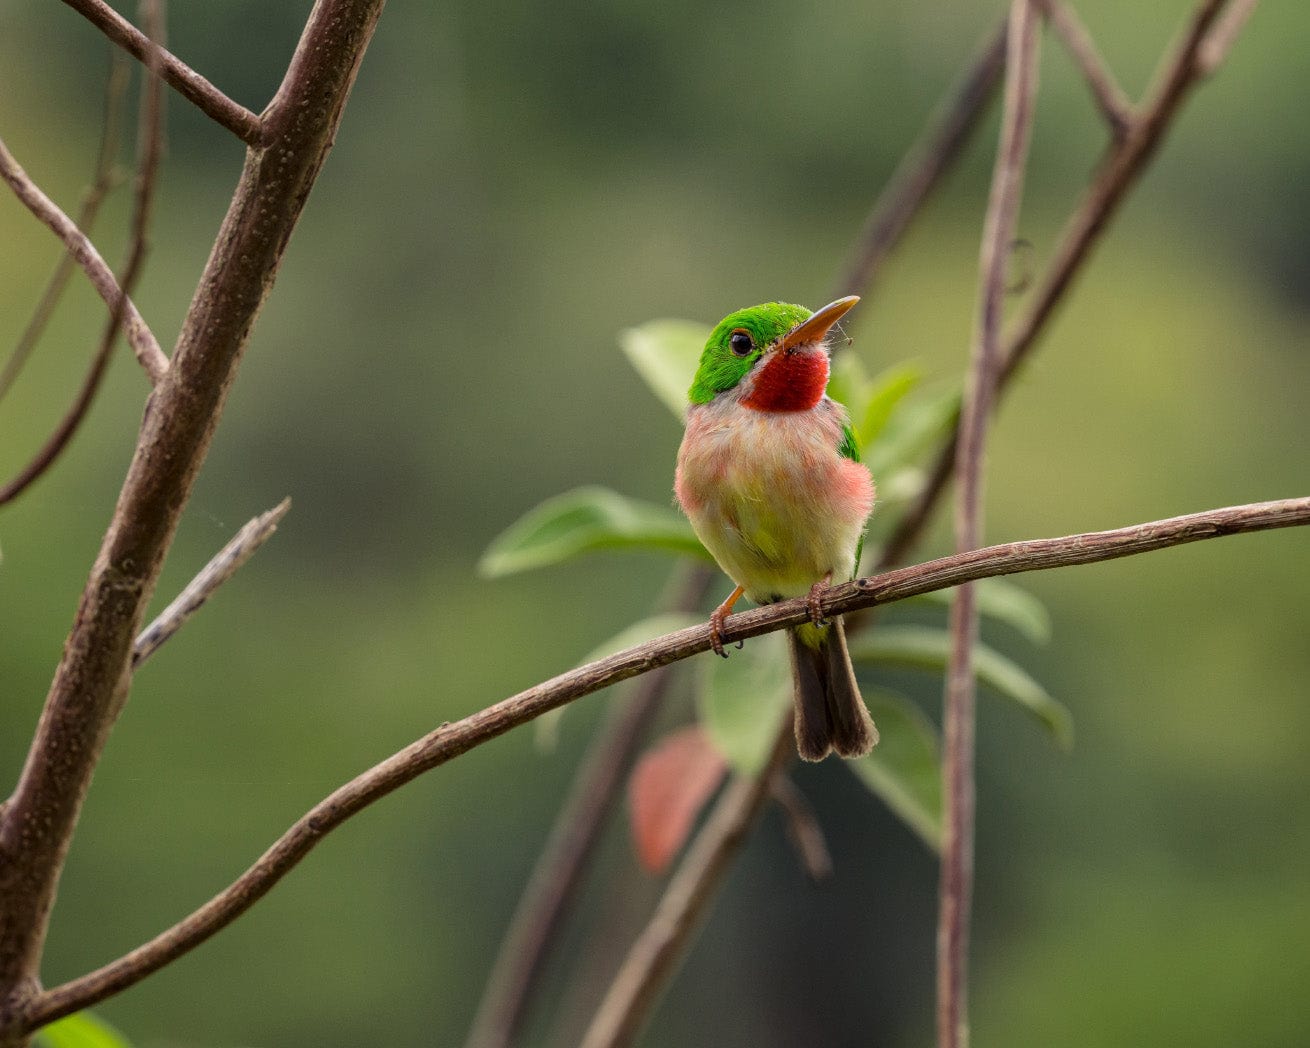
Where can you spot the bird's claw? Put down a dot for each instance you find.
(814, 603)
(716, 632)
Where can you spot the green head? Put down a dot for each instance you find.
(742, 338)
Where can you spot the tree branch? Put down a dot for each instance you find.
(139, 336)
(91, 683)
(221, 567)
(176, 73)
(451, 740)
(106, 177)
(958, 790)
(1110, 99)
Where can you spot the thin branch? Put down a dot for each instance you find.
(91, 683)
(221, 567)
(956, 885)
(451, 740)
(1220, 41)
(931, 156)
(803, 828)
(685, 902)
(82, 251)
(176, 73)
(1178, 74)
(107, 176)
(150, 148)
(1114, 105)
(573, 837)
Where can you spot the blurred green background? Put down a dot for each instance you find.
(513, 184)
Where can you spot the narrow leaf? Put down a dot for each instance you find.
(666, 354)
(849, 385)
(886, 392)
(1004, 601)
(924, 647)
(742, 698)
(913, 427)
(904, 769)
(669, 786)
(547, 725)
(80, 1030)
(585, 519)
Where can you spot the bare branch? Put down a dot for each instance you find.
(1215, 47)
(107, 176)
(803, 829)
(221, 567)
(91, 683)
(176, 73)
(84, 253)
(573, 837)
(1110, 99)
(1178, 75)
(921, 170)
(451, 740)
(956, 886)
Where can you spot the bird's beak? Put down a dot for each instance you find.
(819, 323)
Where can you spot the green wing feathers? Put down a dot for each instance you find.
(850, 443)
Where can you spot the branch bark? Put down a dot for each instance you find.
(451, 740)
(176, 73)
(958, 792)
(1109, 97)
(91, 683)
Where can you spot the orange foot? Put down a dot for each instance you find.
(717, 618)
(813, 600)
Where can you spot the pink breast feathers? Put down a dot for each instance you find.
(790, 381)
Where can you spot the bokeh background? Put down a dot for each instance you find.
(513, 184)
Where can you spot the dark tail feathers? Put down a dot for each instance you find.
(830, 714)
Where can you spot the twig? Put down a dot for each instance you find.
(176, 73)
(803, 829)
(106, 178)
(451, 740)
(956, 885)
(1220, 41)
(82, 251)
(685, 902)
(921, 170)
(91, 683)
(1110, 98)
(558, 871)
(221, 567)
(149, 142)
(1178, 75)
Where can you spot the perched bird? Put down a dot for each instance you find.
(769, 474)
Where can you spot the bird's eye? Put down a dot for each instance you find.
(740, 342)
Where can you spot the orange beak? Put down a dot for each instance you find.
(814, 329)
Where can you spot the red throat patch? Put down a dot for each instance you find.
(790, 381)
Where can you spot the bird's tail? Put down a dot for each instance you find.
(830, 714)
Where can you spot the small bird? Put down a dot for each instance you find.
(769, 475)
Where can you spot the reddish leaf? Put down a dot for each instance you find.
(668, 788)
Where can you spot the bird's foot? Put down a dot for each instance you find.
(815, 598)
(717, 619)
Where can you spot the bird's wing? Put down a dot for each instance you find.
(850, 443)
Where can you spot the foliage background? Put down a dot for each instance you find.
(514, 184)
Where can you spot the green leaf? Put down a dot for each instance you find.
(904, 769)
(81, 1030)
(911, 429)
(666, 354)
(547, 725)
(924, 647)
(848, 384)
(586, 519)
(886, 392)
(1005, 602)
(742, 699)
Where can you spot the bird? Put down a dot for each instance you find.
(769, 475)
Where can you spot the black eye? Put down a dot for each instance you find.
(740, 342)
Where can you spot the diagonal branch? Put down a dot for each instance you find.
(958, 790)
(83, 252)
(106, 178)
(221, 567)
(451, 740)
(1110, 99)
(176, 73)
